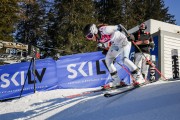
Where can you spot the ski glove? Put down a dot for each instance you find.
(105, 45)
(101, 45)
(104, 52)
(152, 45)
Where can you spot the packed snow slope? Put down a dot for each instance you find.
(156, 101)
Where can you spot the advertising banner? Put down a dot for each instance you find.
(13, 77)
(85, 70)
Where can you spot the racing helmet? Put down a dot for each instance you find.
(90, 30)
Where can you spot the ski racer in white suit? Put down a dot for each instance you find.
(115, 41)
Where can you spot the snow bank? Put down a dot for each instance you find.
(157, 101)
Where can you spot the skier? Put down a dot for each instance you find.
(145, 42)
(112, 38)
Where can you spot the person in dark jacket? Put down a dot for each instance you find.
(145, 42)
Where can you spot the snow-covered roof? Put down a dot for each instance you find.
(154, 26)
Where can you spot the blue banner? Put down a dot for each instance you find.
(13, 76)
(85, 70)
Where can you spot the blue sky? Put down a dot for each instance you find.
(174, 9)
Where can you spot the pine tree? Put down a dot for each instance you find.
(128, 14)
(30, 27)
(59, 24)
(156, 10)
(69, 19)
(109, 11)
(8, 18)
(132, 12)
(150, 9)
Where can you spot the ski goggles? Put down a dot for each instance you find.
(90, 36)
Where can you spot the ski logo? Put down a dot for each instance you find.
(18, 78)
(85, 69)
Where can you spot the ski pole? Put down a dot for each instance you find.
(25, 79)
(133, 79)
(150, 63)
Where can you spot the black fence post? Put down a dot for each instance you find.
(175, 63)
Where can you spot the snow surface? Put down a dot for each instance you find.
(156, 101)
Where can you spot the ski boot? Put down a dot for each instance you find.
(139, 79)
(114, 85)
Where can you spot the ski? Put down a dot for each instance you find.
(115, 92)
(101, 90)
(108, 92)
(84, 93)
(118, 91)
